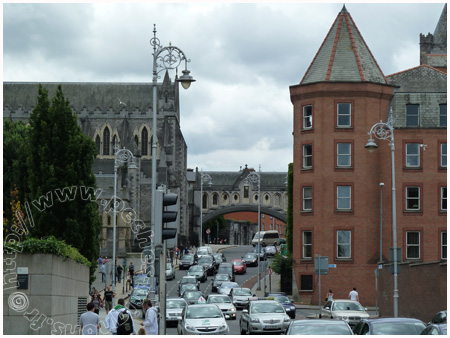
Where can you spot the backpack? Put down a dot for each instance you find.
(124, 323)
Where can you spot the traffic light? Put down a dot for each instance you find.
(169, 216)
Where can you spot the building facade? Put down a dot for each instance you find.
(341, 210)
(121, 113)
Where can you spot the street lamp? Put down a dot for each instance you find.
(385, 131)
(120, 156)
(164, 58)
(207, 179)
(255, 177)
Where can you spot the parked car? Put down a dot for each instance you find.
(437, 329)
(239, 266)
(270, 250)
(241, 296)
(209, 263)
(198, 272)
(263, 316)
(218, 280)
(187, 261)
(170, 271)
(262, 253)
(228, 269)
(202, 319)
(219, 257)
(192, 297)
(204, 251)
(440, 317)
(187, 287)
(226, 287)
(286, 303)
(251, 259)
(137, 296)
(174, 308)
(349, 310)
(319, 327)
(224, 303)
(389, 326)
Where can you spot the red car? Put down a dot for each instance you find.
(239, 266)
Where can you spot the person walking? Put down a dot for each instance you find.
(353, 295)
(97, 303)
(119, 273)
(103, 272)
(119, 320)
(131, 273)
(89, 321)
(330, 295)
(107, 299)
(151, 318)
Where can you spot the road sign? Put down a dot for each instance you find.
(208, 231)
(332, 265)
(321, 263)
(270, 271)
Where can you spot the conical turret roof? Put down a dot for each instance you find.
(344, 56)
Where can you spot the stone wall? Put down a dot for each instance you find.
(56, 295)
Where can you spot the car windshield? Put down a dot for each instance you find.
(242, 292)
(347, 306)
(189, 287)
(202, 252)
(398, 328)
(205, 259)
(175, 304)
(239, 263)
(187, 280)
(267, 308)
(256, 249)
(195, 268)
(318, 328)
(218, 299)
(222, 277)
(203, 312)
(142, 280)
(218, 258)
(270, 248)
(192, 294)
(282, 300)
(139, 292)
(229, 285)
(168, 266)
(250, 256)
(187, 258)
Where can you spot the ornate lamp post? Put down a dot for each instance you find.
(120, 156)
(207, 179)
(164, 58)
(253, 178)
(385, 131)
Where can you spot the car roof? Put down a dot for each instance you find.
(393, 320)
(318, 321)
(237, 260)
(241, 288)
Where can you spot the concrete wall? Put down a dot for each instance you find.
(419, 283)
(50, 304)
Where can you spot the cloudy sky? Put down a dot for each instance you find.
(243, 56)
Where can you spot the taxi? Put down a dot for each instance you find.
(202, 319)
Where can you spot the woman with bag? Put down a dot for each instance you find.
(329, 295)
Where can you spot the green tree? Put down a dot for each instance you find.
(212, 225)
(59, 168)
(290, 219)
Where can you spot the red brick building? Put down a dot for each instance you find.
(337, 194)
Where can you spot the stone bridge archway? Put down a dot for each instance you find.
(211, 214)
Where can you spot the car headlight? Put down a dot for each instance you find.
(190, 327)
(286, 319)
(342, 317)
(255, 320)
(232, 309)
(223, 327)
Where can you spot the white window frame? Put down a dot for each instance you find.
(338, 244)
(340, 114)
(307, 119)
(306, 199)
(412, 198)
(341, 154)
(305, 245)
(412, 152)
(443, 155)
(444, 245)
(444, 198)
(412, 245)
(341, 198)
(307, 157)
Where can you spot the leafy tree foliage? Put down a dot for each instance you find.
(59, 167)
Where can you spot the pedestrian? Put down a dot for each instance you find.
(186, 250)
(151, 318)
(131, 272)
(93, 291)
(119, 273)
(107, 299)
(119, 320)
(97, 303)
(329, 295)
(353, 295)
(89, 321)
(141, 331)
(103, 272)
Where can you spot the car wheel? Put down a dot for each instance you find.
(242, 330)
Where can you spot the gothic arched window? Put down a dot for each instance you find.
(106, 137)
(205, 201)
(144, 142)
(97, 144)
(215, 199)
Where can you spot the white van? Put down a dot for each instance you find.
(270, 237)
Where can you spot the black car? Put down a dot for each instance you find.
(199, 272)
(218, 280)
(435, 329)
(187, 261)
(251, 259)
(219, 257)
(209, 263)
(137, 296)
(228, 269)
(285, 302)
(262, 252)
(439, 318)
(389, 326)
(192, 297)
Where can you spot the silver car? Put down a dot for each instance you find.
(170, 271)
(349, 310)
(202, 319)
(226, 287)
(263, 316)
(241, 296)
(174, 307)
(224, 303)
